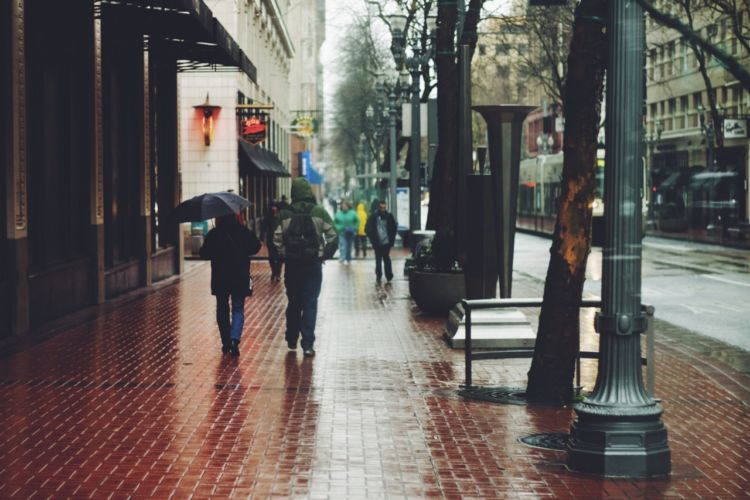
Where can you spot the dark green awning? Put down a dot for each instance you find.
(255, 160)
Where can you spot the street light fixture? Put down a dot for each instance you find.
(398, 37)
(707, 129)
(431, 23)
(618, 429)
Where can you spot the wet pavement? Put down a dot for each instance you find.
(139, 402)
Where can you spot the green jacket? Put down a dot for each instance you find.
(303, 201)
(346, 219)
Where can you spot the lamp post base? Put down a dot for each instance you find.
(617, 447)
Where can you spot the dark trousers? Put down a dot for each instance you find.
(274, 260)
(230, 329)
(382, 256)
(360, 243)
(276, 265)
(302, 283)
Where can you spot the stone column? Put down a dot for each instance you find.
(145, 177)
(16, 197)
(96, 177)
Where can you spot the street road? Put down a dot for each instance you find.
(702, 288)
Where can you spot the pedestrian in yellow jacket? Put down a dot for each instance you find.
(360, 242)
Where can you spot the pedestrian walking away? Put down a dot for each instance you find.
(381, 230)
(229, 247)
(304, 237)
(360, 241)
(347, 223)
(266, 235)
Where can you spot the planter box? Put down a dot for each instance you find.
(435, 292)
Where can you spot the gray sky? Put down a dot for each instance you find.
(339, 15)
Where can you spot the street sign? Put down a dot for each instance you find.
(402, 207)
(735, 128)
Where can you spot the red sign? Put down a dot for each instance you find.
(253, 130)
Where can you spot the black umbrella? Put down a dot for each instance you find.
(208, 206)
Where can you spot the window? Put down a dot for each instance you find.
(681, 121)
(670, 62)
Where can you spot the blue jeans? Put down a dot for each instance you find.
(230, 329)
(345, 246)
(302, 283)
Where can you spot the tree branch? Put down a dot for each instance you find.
(730, 63)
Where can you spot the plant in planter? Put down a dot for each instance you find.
(435, 287)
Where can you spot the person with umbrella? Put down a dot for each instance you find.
(228, 246)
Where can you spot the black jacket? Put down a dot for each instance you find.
(229, 247)
(371, 228)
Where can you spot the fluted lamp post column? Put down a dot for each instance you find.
(415, 149)
(618, 430)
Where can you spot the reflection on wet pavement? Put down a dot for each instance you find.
(140, 402)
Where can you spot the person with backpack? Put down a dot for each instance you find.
(229, 246)
(304, 237)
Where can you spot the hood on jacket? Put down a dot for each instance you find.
(301, 190)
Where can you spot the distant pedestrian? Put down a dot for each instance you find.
(304, 237)
(347, 224)
(229, 246)
(360, 240)
(381, 229)
(266, 235)
(284, 203)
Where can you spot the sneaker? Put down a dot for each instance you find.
(234, 349)
(291, 345)
(309, 353)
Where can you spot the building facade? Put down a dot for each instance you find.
(697, 160)
(307, 19)
(225, 161)
(90, 160)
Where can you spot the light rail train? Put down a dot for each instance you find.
(538, 191)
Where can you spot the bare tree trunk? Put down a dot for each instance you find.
(557, 344)
(443, 190)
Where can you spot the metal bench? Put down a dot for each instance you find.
(470, 356)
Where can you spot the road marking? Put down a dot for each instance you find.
(663, 246)
(726, 280)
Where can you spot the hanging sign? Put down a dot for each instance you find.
(253, 130)
(305, 126)
(735, 128)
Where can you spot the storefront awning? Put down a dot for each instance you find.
(183, 30)
(255, 160)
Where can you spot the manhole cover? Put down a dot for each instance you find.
(547, 441)
(501, 395)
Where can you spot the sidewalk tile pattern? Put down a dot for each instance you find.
(141, 403)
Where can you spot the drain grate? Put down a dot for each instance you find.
(501, 395)
(547, 441)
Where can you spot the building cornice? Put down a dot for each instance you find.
(278, 21)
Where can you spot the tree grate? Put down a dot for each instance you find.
(547, 441)
(500, 395)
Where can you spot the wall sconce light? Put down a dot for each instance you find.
(207, 112)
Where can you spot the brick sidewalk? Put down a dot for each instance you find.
(139, 402)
